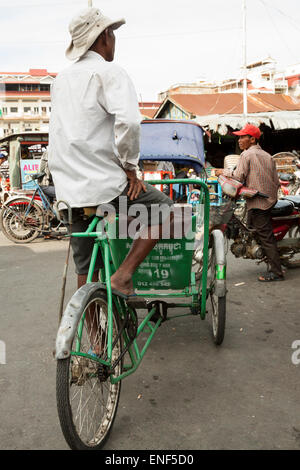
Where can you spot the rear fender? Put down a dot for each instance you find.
(14, 199)
(71, 317)
(219, 246)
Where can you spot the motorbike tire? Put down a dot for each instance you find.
(16, 229)
(291, 263)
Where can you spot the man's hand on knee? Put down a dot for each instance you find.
(135, 185)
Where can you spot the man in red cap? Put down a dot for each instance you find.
(257, 170)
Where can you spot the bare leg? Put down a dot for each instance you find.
(121, 280)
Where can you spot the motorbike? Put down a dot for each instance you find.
(285, 221)
(289, 183)
(26, 215)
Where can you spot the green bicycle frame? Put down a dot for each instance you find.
(96, 230)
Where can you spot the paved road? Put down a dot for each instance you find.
(188, 394)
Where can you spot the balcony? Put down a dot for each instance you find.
(29, 116)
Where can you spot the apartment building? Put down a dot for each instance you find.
(262, 77)
(25, 103)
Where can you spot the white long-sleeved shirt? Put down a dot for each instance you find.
(94, 131)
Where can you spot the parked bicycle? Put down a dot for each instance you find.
(25, 216)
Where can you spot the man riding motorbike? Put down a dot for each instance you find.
(257, 170)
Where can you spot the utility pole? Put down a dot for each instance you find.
(245, 85)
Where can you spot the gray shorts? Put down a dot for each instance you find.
(155, 202)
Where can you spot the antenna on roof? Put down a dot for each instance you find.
(245, 104)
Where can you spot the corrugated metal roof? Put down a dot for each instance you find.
(232, 103)
(148, 112)
(219, 110)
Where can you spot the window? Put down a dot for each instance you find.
(45, 87)
(4, 110)
(14, 110)
(11, 87)
(27, 109)
(44, 110)
(36, 110)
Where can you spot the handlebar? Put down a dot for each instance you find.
(262, 194)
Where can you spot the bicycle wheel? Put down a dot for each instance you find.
(87, 401)
(21, 222)
(218, 302)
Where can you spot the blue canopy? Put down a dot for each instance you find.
(176, 141)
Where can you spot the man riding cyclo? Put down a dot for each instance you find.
(94, 143)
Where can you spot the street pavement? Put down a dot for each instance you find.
(187, 394)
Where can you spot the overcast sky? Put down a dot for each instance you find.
(163, 41)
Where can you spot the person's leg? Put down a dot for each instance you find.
(261, 222)
(121, 280)
(82, 251)
(49, 191)
(141, 247)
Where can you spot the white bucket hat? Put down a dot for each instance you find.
(85, 27)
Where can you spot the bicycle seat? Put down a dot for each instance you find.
(282, 208)
(286, 177)
(37, 176)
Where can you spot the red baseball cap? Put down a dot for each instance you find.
(249, 130)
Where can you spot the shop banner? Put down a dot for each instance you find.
(29, 167)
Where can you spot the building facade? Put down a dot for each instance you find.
(262, 77)
(25, 103)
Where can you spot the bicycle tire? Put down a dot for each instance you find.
(219, 321)
(75, 372)
(14, 228)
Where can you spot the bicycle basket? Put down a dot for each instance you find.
(219, 215)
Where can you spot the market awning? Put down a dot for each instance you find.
(279, 120)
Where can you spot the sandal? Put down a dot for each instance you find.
(269, 277)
